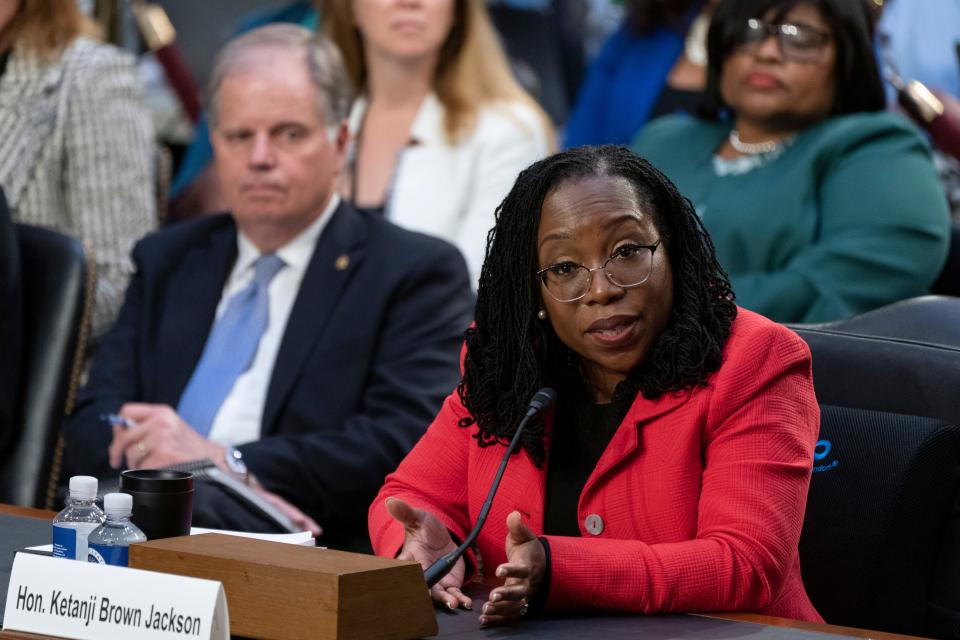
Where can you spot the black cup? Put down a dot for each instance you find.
(162, 501)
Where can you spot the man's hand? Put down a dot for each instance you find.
(159, 438)
(524, 570)
(427, 540)
(299, 518)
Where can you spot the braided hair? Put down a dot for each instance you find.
(510, 354)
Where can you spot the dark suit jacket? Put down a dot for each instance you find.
(369, 353)
(11, 335)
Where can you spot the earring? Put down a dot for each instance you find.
(542, 314)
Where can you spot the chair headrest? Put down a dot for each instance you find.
(926, 320)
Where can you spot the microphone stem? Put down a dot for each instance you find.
(442, 567)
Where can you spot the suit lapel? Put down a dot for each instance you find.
(190, 310)
(339, 252)
(627, 437)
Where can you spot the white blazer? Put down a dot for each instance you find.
(452, 191)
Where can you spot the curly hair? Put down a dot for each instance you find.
(510, 354)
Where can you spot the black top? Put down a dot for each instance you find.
(673, 100)
(581, 432)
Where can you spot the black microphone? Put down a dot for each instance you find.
(541, 401)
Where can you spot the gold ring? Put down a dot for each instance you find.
(142, 448)
(525, 607)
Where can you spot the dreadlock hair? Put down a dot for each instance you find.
(511, 354)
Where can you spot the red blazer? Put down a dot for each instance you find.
(701, 494)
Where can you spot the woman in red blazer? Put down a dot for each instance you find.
(673, 474)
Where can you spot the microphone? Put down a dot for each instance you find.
(541, 401)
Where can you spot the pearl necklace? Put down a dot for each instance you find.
(753, 148)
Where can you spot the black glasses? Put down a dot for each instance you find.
(798, 42)
(629, 266)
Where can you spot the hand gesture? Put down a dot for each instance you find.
(524, 570)
(427, 540)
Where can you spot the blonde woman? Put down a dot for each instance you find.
(441, 128)
(76, 141)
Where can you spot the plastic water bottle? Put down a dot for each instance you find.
(81, 516)
(110, 542)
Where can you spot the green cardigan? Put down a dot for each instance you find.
(850, 217)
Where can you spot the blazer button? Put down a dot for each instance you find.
(593, 524)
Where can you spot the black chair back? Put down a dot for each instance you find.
(57, 302)
(880, 547)
(948, 283)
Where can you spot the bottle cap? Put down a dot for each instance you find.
(118, 503)
(83, 487)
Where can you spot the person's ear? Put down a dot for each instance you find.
(343, 137)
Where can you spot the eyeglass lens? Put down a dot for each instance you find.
(798, 42)
(630, 267)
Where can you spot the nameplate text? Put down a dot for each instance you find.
(89, 601)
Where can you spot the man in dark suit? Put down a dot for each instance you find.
(294, 341)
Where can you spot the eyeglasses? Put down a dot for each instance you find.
(798, 42)
(629, 266)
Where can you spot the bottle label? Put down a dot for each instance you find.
(64, 541)
(70, 539)
(116, 555)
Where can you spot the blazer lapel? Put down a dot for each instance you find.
(627, 436)
(28, 109)
(190, 310)
(339, 252)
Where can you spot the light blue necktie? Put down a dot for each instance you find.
(230, 348)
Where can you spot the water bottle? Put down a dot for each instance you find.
(81, 516)
(110, 542)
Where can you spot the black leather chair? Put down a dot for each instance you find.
(927, 319)
(58, 283)
(948, 283)
(880, 547)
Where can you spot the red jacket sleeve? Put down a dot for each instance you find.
(432, 477)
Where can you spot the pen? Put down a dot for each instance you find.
(118, 420)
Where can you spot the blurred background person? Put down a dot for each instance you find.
(441, 128)
(76, 140)
(821, 204)
(195, 188)
(11, 325)
(654, 64)
(601, 283)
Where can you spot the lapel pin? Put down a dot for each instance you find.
(342, 262)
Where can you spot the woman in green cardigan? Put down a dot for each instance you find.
(821, 204)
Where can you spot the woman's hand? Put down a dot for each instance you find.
(524, 570)
(427, 540)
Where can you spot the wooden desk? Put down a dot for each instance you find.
(463, 625)
(27, 512)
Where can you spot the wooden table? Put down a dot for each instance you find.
(461, 630)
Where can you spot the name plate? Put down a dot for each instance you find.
(88, 601)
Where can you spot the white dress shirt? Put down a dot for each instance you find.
(240, 416)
